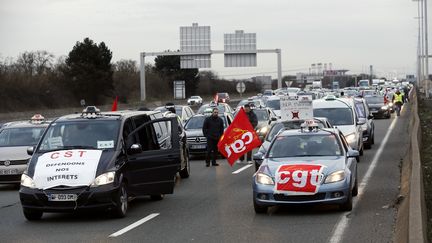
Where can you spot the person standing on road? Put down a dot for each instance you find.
(406, 94)
(253, 119)
(398, 101)
(212, 129)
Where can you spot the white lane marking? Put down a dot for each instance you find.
(342, 224)
(134, 225)
(242, 169)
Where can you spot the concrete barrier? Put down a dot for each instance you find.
(417, 227)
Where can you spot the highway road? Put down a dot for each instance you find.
(215, 205)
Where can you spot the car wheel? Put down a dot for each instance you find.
(260, 209)
(361, 151)
(373, 138)
(367, 145)
(32, 215)
(157, 197)
(185, 172)
(347, 206)
(355, 189)
(256, 165)
(121, 201)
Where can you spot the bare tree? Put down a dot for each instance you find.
(35, 62)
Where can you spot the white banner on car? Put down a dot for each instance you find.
(296, 107)
(75, 167)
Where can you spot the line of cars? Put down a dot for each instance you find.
(314, 161)
(93, 160)
(115, 175)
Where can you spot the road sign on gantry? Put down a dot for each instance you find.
(240, 49)
(195, 39)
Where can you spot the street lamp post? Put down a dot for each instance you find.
(426, 68)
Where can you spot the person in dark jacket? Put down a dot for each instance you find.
(212, 129)
(253, 119)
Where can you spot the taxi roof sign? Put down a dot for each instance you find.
(37, 119)
(310, 125)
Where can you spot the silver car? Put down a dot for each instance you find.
(15, 138)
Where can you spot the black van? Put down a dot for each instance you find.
(100, 160)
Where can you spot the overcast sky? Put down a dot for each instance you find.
(350, 34)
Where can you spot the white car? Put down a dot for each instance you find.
(195, 100)
(341, 114)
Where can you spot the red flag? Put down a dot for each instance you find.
(114, 105)
(238, 139)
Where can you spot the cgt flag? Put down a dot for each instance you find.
(238, 139)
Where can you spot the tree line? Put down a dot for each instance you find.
(37, 79)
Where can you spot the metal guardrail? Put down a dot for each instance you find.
(417, 212)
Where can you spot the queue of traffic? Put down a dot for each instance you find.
(311, 144)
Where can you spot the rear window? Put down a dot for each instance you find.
(336, 116)
(273, 104)
(20, 136)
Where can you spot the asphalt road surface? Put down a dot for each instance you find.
(215, 205)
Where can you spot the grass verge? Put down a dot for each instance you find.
(425, 114)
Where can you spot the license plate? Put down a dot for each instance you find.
(62, 197)
(198, 146)
(9, 172)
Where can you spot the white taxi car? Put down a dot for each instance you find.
(15, 138)
(341, 114)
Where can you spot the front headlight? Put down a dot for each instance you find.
(264, 179)
(104, 179)
(263, 130)
(384, 107)
(335, 176)
(350, 138)
(27, 181)
(390, 104)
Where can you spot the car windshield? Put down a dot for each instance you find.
(305, 145)
(178, 110)
(222, 95)
(273, 104)
(221, 108)
(336, 116)
(197, 122)
(262, 115)
(28, 136)
(288, 125)
(91, 134)
(374, 100)
(195, 97)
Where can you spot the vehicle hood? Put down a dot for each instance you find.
(376, 106)
(105, 163)
(194, 133)
(330, 163)
(347, 129)
(14, 153)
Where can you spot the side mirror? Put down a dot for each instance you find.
(361, 121)
(370, 116)
(258, 156)
(30, 150)
(353, 153)
(274, 119)
(135, 149)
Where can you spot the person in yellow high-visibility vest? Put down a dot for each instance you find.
(398, 101)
